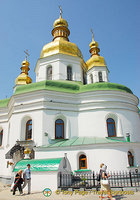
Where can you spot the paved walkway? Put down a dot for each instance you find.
(5, 194)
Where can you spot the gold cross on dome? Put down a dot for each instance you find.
(27, 54)
(92, 34)
(60, 11)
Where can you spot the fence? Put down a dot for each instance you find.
(89, 180)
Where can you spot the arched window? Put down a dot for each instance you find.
(1, 137)
(111, 127)
(100, 77)
(59, 129)
(28, 130)
(130, 159)
(69, 73)
(49, 73)
(91, 78)
(82, 162)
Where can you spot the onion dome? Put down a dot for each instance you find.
(96, 59)
(27, 151)
(60, 43)
(60, 22)
(23, 78)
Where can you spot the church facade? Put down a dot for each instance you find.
(72, 108)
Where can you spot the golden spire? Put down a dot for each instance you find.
(23, 78)
(94, 50)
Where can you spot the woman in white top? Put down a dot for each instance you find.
(104, 176)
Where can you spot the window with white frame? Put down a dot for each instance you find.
(82, 161)
(100, 76)
(59, 129)
(69, 73)
(91, 78)
(49, 73)
(111, 128)
(28, 135)
(130, 159)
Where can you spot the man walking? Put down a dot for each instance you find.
(27, 178)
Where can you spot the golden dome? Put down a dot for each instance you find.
(60, 22)
(60, 43)
(96, 59)
(23, 78)
(25, 63)
(61, 46)
(27, 151)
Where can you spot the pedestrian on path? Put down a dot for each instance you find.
(17, 183)
(105, 183)
(27, 178)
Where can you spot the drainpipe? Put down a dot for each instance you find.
(128, 137)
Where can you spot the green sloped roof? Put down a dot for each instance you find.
(51, 164)
(76, 141)
(4, 103)
(66, 86)
(70, 87)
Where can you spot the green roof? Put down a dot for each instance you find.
(4, 103)
(83, 170)
(70, 87)
(66, 86)
(76, 141)
(51, 164)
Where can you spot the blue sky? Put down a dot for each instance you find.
(27, 24)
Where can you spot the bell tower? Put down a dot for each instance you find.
(97, 70)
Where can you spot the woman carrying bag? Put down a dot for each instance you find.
(105, 183)
(17, 183)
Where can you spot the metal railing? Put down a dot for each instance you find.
(89, 180)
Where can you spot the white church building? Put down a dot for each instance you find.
(71, 109)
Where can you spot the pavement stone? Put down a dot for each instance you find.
(7, 195)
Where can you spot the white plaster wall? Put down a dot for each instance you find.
(70, 124)
(93, 123)
(84, 114)
(59, 65)
(18, 126)
(4, 127)
(94, 71)
(42, 180)
(114, 156)
(4, 170)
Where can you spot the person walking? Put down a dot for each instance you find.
(27, 178)
(105, 186)
(17, 183)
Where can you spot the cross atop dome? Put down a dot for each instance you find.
(92, 34)
(60, 11)
(27, 54)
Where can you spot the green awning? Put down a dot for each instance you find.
(50, 164)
